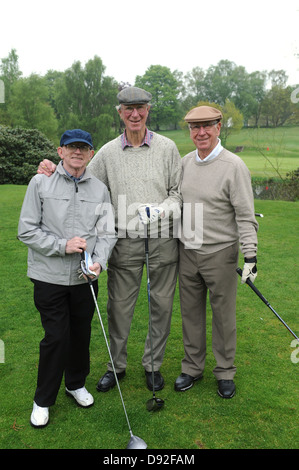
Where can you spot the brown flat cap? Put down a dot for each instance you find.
(133, 95)
(202, 114)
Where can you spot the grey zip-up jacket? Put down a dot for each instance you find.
(57, 209)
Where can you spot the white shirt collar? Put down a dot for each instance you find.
(215, 152)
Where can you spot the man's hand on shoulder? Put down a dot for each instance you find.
(46, 167)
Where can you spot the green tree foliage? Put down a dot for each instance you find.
(29, 106)
(9, 74)
(277, 107)
(227, 81)
(84, 98)
(163, 85)
(21, 150)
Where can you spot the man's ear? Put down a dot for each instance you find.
(59, 151)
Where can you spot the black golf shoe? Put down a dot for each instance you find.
(108, 381)
(158, 381)
(226, 388)
(184, 382)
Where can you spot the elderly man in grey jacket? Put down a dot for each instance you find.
(60, 218)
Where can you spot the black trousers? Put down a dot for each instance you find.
(66, 313)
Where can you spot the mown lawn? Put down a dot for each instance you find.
(262, 415)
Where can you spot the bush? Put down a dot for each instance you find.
(21, 150)
(280, 189)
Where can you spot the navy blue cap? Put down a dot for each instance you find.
(76, 135)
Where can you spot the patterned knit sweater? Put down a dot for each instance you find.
(134, 176)
(218, 205)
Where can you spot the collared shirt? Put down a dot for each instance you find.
(146, 141)
(215, 152)
(74, 178)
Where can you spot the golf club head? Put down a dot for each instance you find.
(136, 443)
(154, 404)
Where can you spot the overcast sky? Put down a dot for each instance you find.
(131, 35)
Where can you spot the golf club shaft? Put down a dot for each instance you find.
(149, 302)
(103, 329)
(260, 295)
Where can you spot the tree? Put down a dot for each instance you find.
(219, 82)
(84, 98)
(257, 88)
(164, 87)
(232, 121)
(9, 74)
(277, 106)
(227, 81)
(278, 78)
(195, 83)
(29, 106)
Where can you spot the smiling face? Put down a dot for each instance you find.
(134, 116)
(204, 136)
(75, 157)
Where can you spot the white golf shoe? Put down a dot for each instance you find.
(82, 396)
(39, 416)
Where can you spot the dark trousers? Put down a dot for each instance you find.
(66, 314)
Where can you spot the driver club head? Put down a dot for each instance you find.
(136, 443)
(154, 404)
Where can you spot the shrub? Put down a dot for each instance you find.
(286, 189)
(21, 150)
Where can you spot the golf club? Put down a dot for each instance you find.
(135, 442)
(154, 403)
(258, 293)
(257, 214)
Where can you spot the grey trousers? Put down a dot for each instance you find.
(216, 273)
(125, 272)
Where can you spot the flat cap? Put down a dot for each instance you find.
(133, 95)
(203, 114)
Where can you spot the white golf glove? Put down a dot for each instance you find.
(149, 213)
(249, 270)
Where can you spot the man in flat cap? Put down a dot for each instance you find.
(142, 171)
(218, 215)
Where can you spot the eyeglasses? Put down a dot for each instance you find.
(140, 108)
(74, 147)
(207, 126)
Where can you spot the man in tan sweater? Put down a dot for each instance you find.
(141, 169)
(218, 215)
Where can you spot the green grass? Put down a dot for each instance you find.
(262, 415)
(283, 144)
